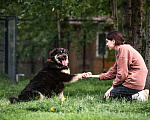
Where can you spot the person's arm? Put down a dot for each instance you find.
(93, 76)
(89, 75)
(104, 76)
(107, 94)
(111, 74)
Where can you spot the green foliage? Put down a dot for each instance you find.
(37, 23)
(83, 102)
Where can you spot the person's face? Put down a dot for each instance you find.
(110, 44)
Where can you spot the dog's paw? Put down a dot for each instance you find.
(89, 73)
(86, 75)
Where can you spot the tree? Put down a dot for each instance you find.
(137, 23)
(126, 21)
(147, 54)
(114, 13)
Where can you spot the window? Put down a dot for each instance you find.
(101, 45)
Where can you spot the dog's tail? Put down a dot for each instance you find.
(13, 100)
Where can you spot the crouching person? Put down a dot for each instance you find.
(129, 71)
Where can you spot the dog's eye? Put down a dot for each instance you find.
(60, 51)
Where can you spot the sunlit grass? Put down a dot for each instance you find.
(83, 102)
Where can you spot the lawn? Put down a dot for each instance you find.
(83, 102)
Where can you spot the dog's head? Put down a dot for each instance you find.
(60, 56)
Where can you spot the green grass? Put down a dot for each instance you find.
(84, 102)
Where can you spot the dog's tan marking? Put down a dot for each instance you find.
(67, 60)
(57, 59)
(67, 71)
(41, 96)
(75, 78)
(61, 96)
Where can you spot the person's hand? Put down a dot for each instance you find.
(107, 94)
(86, 75)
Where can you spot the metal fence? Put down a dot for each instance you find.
(8, 31)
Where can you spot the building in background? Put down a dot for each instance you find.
(93, 57)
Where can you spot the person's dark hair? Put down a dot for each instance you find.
(117, 36)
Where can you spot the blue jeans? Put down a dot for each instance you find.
(121, 91)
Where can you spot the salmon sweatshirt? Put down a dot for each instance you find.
(129, 69)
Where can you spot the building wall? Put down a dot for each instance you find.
(92, 63)
(26, 68)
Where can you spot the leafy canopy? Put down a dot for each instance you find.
(37, 22)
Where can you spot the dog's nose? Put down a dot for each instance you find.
(64, 56)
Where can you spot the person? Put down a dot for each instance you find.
(129, 71)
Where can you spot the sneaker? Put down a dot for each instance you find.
(143, 95)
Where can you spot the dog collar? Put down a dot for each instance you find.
(49, 60)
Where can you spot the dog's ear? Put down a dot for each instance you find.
(52, 53)
(66, 51)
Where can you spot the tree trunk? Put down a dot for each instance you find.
(147, 54)
(114, 13)
(59, 29)
(126, 21)
(114, 16)
(137, 23)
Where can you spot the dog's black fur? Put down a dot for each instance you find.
(51, 78)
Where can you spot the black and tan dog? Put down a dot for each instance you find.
(50, 79)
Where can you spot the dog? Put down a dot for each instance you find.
(50, 79)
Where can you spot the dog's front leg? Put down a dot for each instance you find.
(61, 96)
(79, 76)
(76, 78)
